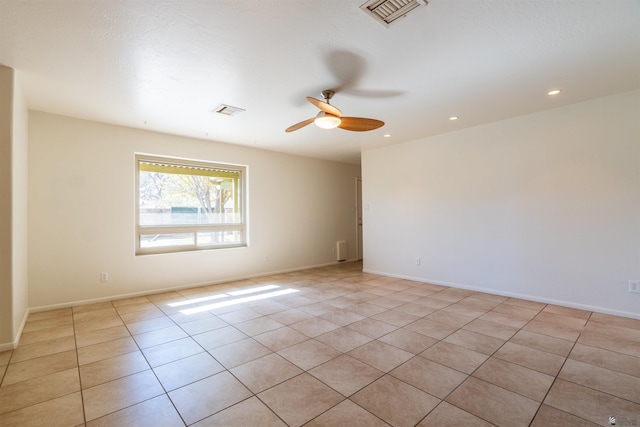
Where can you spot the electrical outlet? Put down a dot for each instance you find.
(417, 261)
(104, 276)
(634, 286)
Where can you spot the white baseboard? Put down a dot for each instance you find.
(13, 345)
(535, 298)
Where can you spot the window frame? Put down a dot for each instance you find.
(141, 230)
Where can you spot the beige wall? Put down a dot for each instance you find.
(82, 199)
(544, 206)
(13, 209)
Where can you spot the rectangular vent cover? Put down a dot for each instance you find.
(387, 11)
(228, 110)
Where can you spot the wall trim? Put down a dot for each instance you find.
(535, 298)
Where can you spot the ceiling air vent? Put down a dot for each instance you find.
(228, 110)
(387, 11)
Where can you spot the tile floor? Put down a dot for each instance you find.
(324, 347)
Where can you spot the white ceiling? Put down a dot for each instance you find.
(166, 65)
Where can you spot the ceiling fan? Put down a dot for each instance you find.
(331, 117)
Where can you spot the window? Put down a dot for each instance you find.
(186, 205)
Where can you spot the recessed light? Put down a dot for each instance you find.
(554, 92)
(387, 135)
(452, 118)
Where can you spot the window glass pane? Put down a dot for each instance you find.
(180, 195)
(213, 238)
(164, 240)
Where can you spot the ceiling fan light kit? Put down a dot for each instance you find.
(327, 121)
(331, 117)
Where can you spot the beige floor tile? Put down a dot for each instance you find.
(504, 319)
(39, 349)
(91, 307)
(366, 309)
(219, 337)
(250, 412)
(451, 294)
(395, 317)
(387, 301)
(141, 316)
(281, 338)
(408, 340)
(455, 357)
(239, 352)
(37, 390)
(159, 336)
(38, 325)
(465, 310)
(98, 323)
(516, 378)
(548, 416)
(346, 374)
(113, 368)
(309, 354)
(206, 324)
(553, 329)
(561, 319)
(5, 356)
(415, 309)
(50, 314)
(608, 319)
(347, 413)
(621, 332)
(342, 317)
(475, 341)
(606, 359)
(149, 325)
(543, 342)
(491, 329)
(607, 342)
(109, 397)
(101, 335)
(395, 402)
(380, 355)
(428, 376)
(566, 311)
(33, 368)
(105, 350)
(63, 411)
(531, 358)
(493, 403)
(601, 379)
(171, 351)
(372, 328)
(138, 306)
(300, 399)
(204, 398)
(517, 312)
(590, 404)
(156, 412)
(524, 303)
(448, 415)
(240, 316)
(344, 339)
(450, 319)
(129, 301)
(46, 334)
(265, 372)
(314, 326)
(481, 302)
(290, 316)
(433, 303)
(431, 329)
(188, 370)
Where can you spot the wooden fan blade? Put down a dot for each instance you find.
(327, 108)
(300, 125)
(359, 124)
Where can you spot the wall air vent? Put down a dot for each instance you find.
(388, 11)
(228, 110)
